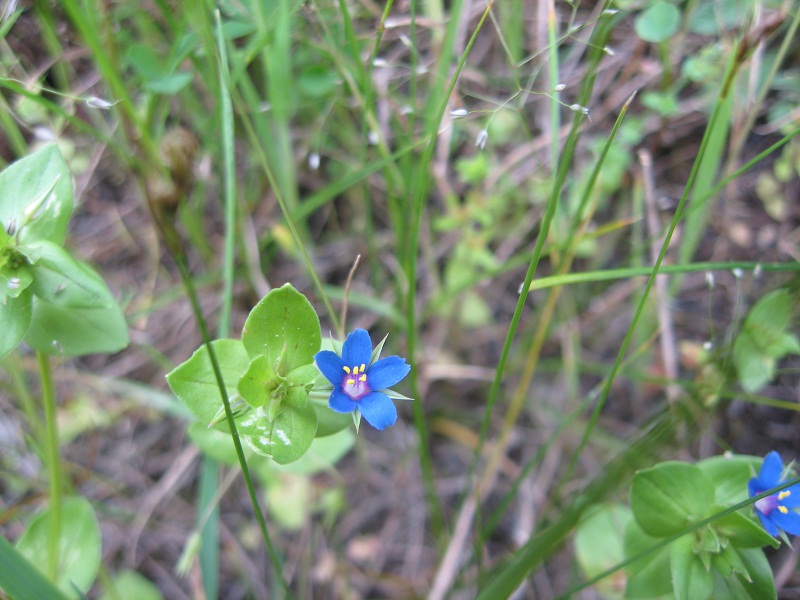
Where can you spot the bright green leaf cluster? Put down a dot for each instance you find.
(268, 376)
(55, 303)
(722, 559)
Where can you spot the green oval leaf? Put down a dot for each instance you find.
(15, 315)
(284, 327)
(194, 383)
(658, 23)
(670, 496)
(129, 584)
(764, 339)
(60, 279)
(57, 329)
(286, 438)
(729, 476)
(599, 545)
(36, 197)
(78, 545)
(648, 577)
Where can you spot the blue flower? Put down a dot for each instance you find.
(775, 510)
(360, 384)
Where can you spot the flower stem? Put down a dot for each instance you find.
(53, 461)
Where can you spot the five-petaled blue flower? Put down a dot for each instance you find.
(359, 384)
(776, 510)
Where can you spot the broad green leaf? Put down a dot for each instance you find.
(670, 496)
(194, 382)
(764, 339)
(658, 23)
(129, 584)
(60, 279)
(729, 476)
(599, 545)
(284, 327)
(14, 281)
(20, 579)
(755, 370)
(286, 438)
(690, 579)
(15, 317)
(56, 329)
(78, 546)
(36, 197)
(648, 577)
(769, 316)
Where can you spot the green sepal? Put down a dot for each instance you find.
(395, 395)
(742, 531)
(259, 382)
(238, 408)
(691, 578)
(376, 352)
(728, 563)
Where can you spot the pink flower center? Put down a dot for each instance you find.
(355, 383)
(766, 505)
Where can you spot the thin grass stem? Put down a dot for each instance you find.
(53, 462)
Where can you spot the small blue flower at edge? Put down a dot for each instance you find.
(775, 510)
(357, 384)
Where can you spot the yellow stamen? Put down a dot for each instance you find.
(351, 381)
(783, 509)
(784, 494)
(362, 378)
(363, 368)
(346, 369)
(355, 370)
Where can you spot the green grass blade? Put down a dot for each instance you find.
(20, 580)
